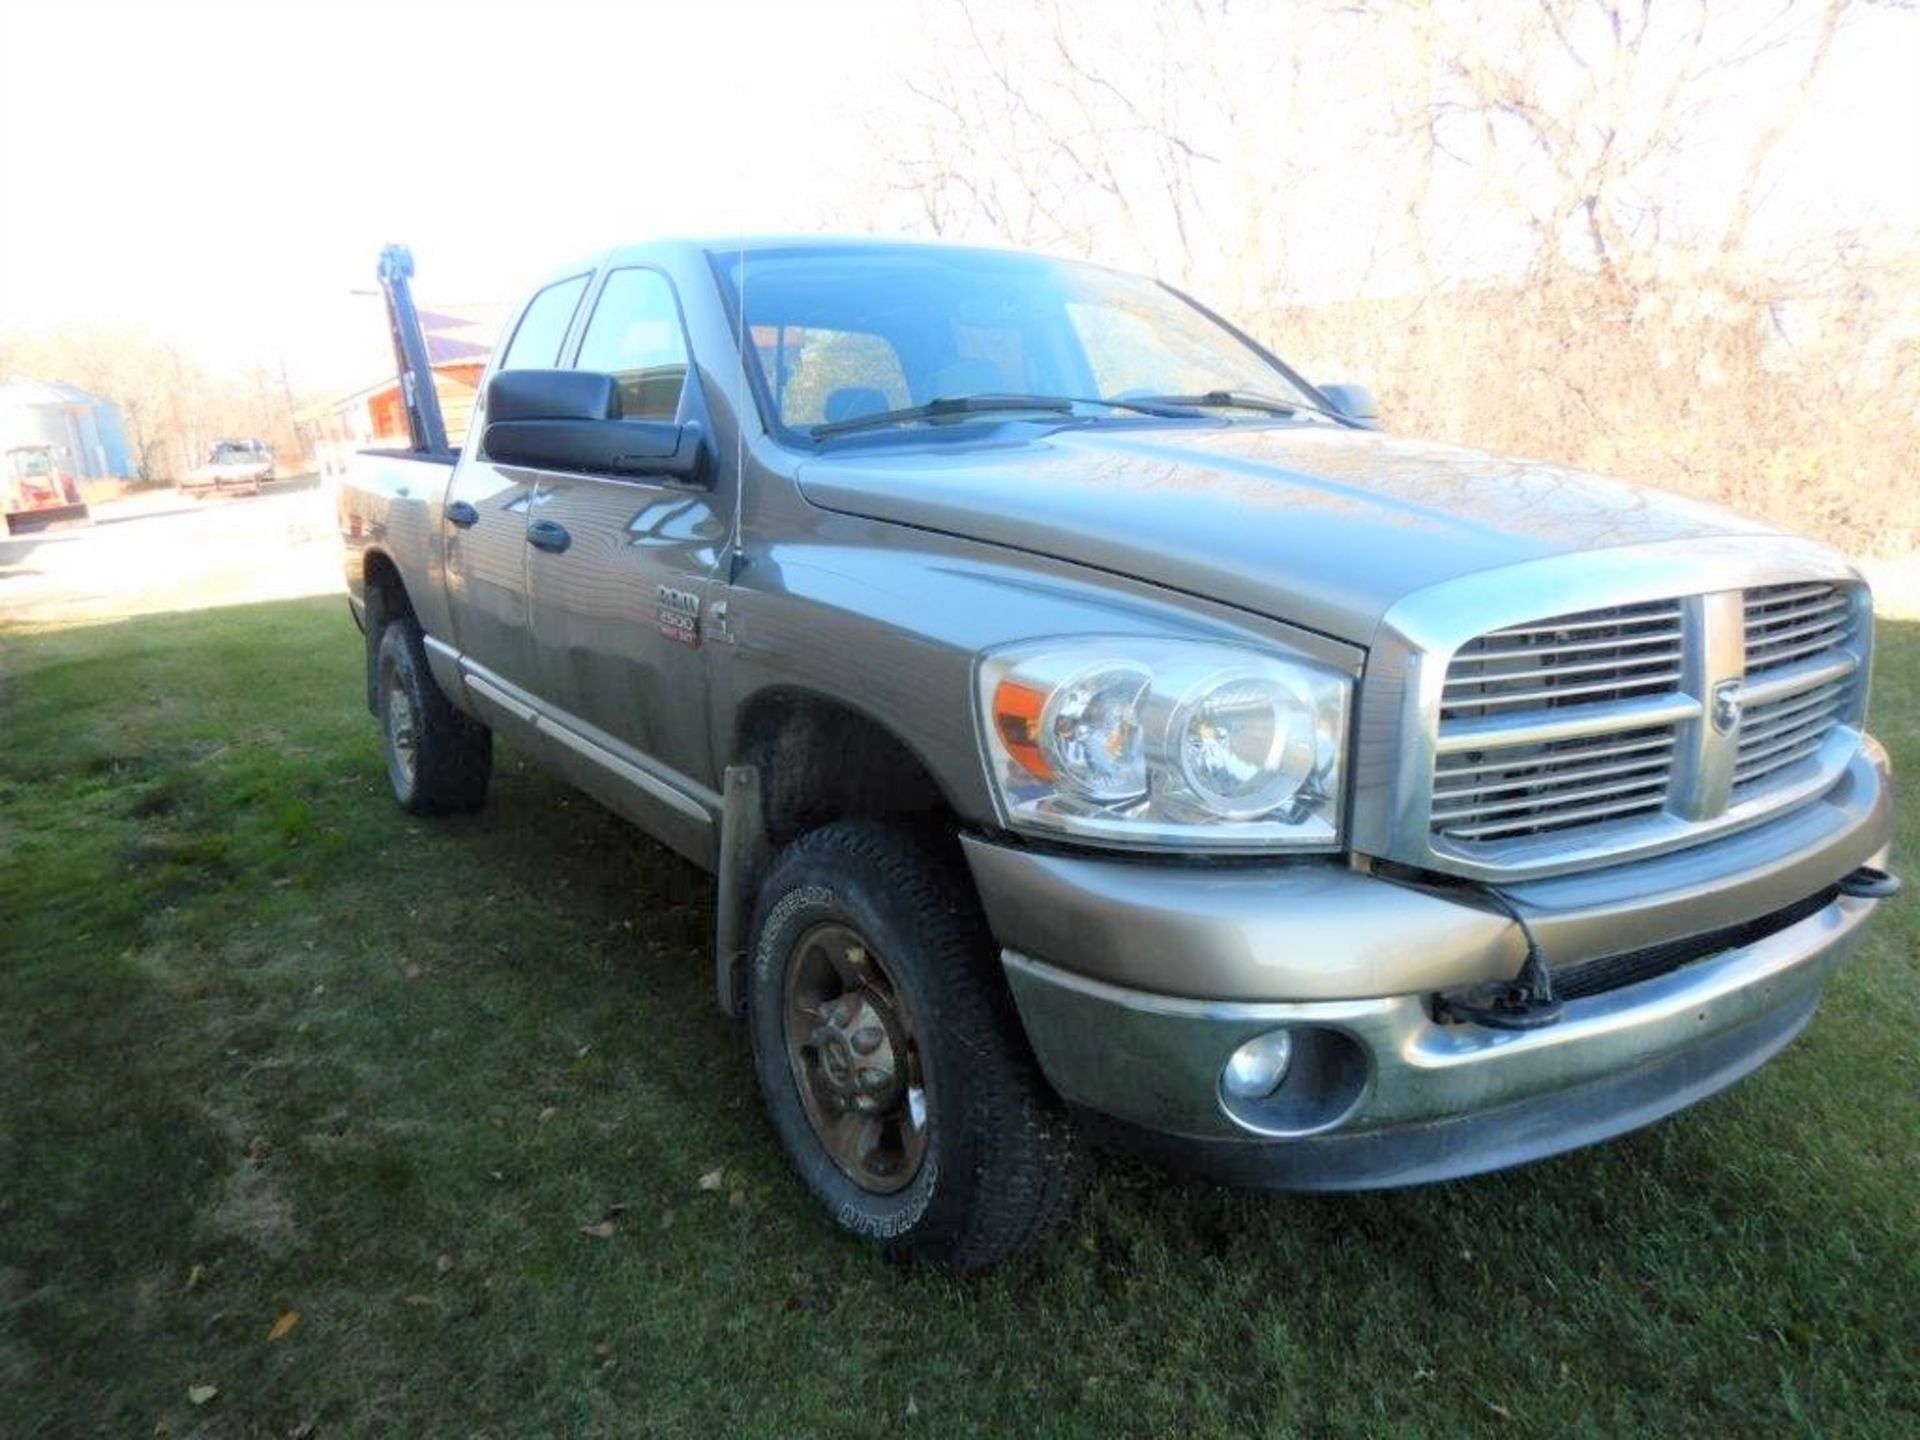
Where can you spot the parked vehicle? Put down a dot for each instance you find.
(239, 466)
(1097, 729)
(38, 490)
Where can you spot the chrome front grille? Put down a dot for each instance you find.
(1798, 637)
(1510, 790)
(1788, 623)
(1679, 715)
(1784, 732)
(1589, 658)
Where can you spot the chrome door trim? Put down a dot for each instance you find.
(444, 661)
(670, 788)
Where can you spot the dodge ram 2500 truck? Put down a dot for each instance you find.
(1097, 729)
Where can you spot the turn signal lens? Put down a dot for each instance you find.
(1016, 719)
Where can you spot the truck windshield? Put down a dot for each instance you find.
(841, 333)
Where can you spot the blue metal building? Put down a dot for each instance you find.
(87, 429)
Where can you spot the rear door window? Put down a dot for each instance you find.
(543, 327)
(635, 336)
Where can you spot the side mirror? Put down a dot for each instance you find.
(570, 420)
(1356, 402)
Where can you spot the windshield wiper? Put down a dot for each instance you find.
(953, 406)
(1247, 400)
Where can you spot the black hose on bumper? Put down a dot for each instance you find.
(1526, 1002)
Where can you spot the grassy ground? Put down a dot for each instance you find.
(272, 1047)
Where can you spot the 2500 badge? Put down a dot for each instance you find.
(678, 614)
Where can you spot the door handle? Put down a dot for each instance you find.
(462, 514)
(548, 535)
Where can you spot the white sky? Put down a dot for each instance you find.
(226, 173)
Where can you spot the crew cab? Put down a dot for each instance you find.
(1099, 731)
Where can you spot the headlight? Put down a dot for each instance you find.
(1165, 744)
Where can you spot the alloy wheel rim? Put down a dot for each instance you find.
(855, 1057)
(403, 733)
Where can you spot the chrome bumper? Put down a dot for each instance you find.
(1383, 1094)
(1156, 1059)
(1319, 930)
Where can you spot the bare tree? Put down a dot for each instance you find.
(172, 405)
(1553, 227)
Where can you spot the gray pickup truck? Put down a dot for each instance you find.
(1097, 730)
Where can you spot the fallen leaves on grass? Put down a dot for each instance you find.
(283, 1327)
(712, 1179)
(201, 1394)
(607, 1226)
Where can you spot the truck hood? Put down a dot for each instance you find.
(1308, 524)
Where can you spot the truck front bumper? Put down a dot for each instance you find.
(1381, 1090)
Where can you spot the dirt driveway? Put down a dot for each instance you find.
(163, 551)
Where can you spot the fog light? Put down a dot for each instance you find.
(1255, 1070)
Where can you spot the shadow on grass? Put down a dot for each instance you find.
(276, 1046)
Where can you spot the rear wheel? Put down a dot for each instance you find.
(438, 760)
(891, 1060)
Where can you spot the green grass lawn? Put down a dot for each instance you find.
(267, 1045)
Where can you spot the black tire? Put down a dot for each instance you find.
(1001, 1163)
(438, 760)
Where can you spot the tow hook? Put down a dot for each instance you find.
(1867, 883)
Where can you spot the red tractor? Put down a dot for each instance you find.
(37, 491)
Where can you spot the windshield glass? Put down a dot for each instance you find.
(844, 332)
(33, 463)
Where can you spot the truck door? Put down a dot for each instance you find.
(485, 513)
(619, 567)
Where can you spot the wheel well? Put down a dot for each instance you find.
(801, 761)
(820, 760)
(384, 595)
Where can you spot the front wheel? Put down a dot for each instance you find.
(891, 1060)
(438, 760)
